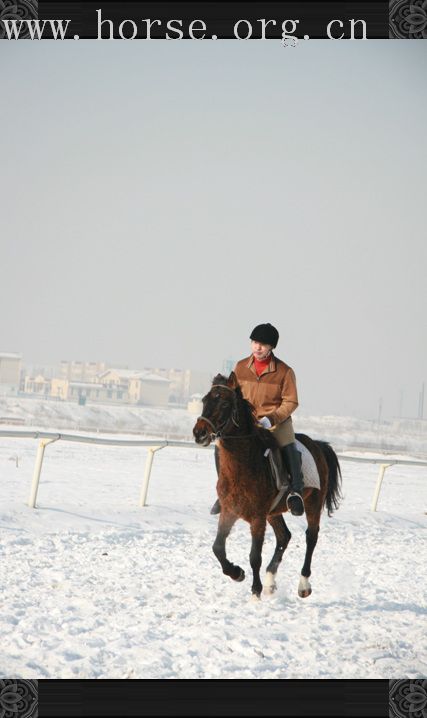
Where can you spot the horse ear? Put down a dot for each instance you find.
(232, 382)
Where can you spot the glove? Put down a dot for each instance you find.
(265, 422)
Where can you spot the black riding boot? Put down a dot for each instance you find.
(216, 508)
(293, 460)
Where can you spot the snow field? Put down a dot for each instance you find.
(93, 586)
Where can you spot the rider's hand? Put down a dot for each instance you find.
(265, 422)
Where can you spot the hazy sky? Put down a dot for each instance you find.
(159, 199)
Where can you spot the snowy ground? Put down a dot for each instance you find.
(92, 586)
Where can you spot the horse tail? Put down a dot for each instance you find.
(333, 494)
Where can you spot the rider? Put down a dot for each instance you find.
(270, 386)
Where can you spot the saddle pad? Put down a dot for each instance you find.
(309, 468)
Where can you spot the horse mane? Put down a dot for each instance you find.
(247, 411)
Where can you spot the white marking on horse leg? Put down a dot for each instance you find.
(304, 587)
(269, 583)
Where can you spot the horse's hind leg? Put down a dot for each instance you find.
(311, 536)
(255, 556)
(225, 524)
(283, 536)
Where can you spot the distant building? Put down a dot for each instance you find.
(149, 389)
(116, 376)
(143, 387)
(184, 383)
(93, 382)
(10, 373)
(46, 371)
(80, 370)
(83, 391)
(37, 385)
(195, 405)
(59, 388)
(115, 386)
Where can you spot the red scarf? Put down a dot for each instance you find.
(261, 365)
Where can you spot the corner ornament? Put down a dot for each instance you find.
(17, 10)
(408, 698)
(408, 19)
(18, 698)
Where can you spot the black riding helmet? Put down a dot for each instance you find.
(265, 334)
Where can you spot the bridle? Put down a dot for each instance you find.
(217, 432)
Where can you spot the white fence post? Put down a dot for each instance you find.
(50, 437)
(148, 464)
(383, 467)
(37, 470)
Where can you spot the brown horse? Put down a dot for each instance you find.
(245, 487)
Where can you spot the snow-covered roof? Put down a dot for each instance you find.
(89, 384)
(153, 377)
(123, 373)
(10, 355)
(134, 374)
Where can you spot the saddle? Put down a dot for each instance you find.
(279, 474)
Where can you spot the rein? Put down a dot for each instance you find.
(217, 434)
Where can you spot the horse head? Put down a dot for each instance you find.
(220, 412)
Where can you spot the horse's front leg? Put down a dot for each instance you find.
(255, 556)
(283, 536)
(225, 524)
(311, 535)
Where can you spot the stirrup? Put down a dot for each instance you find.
(296, 506)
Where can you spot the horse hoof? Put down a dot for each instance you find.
(241, 576)
(255, 598)
(269, 590)
(304, 587)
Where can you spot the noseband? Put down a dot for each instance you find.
(216, 432)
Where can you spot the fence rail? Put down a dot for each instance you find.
(155, 444)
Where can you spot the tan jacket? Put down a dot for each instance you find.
(274, 393)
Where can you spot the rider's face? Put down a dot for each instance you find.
(260, 351)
